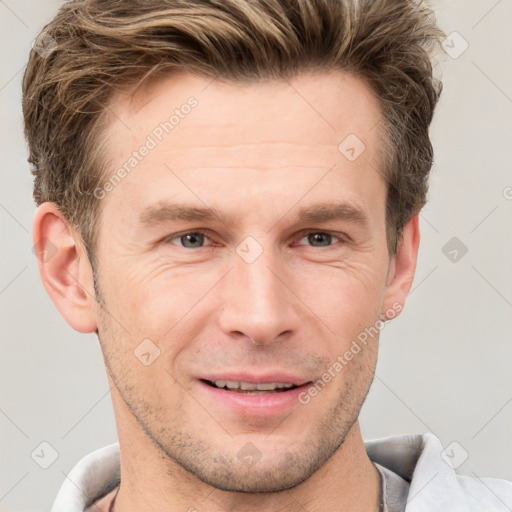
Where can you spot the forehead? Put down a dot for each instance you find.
(250, 138)
(316, 108)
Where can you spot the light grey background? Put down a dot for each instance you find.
(444, 364)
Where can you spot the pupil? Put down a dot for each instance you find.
(320, 239)
(192, 240)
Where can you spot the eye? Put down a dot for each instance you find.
(191, 240)
(319, 239)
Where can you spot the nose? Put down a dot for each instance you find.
(256, 302)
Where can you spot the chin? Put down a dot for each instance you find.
(269, 478)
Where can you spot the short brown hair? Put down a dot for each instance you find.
(93, 47)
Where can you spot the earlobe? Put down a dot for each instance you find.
(64, 267)
(401, 270)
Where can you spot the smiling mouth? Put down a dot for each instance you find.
(249, 388)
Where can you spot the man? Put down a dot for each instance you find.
(230, 191)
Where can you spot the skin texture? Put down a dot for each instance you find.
(258, 154)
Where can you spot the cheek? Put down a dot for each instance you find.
(163, 304)
(347, 296)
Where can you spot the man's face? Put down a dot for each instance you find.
(272, 287)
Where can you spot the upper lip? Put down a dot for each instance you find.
(254, 378)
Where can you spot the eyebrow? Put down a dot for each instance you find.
(164, 211)
(333, 211)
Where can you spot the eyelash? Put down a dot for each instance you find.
(303, 234)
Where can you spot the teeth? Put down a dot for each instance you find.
(246, 386)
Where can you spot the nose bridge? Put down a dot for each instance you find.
(254, 299)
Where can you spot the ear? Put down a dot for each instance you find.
(401, 270)
(64, 267)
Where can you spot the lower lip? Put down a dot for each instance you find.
(268, 404)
